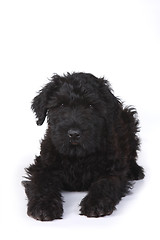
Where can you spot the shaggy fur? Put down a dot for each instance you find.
(90, 145)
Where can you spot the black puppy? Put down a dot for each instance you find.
(90, 144)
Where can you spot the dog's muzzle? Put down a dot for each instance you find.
(74, 136)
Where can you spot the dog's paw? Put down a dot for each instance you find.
(44, 211)
(96, 207)
(136, 173)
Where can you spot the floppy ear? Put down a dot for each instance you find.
(113, 104)
(39, 103)
(109, 96)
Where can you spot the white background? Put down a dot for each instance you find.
(116, 39)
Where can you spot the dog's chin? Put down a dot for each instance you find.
(73, 149)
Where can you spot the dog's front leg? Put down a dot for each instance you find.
(43, 193)
(103, 196)
(42, 205)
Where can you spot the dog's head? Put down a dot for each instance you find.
(79, 108)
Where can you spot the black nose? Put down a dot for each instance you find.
(74, 134)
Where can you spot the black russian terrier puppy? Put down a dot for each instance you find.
(90, 145)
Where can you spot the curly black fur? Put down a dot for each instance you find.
(91, 144)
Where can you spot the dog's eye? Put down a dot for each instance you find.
(90, 106)
(62, 105)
